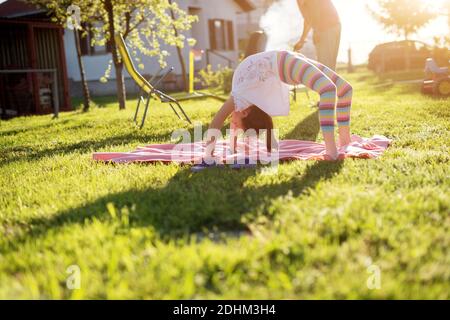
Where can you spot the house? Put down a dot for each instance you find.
(215, 33)
(32, 45)
(248, 21)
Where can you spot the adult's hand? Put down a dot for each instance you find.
(299, 45)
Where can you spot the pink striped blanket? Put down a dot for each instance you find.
(288, 150)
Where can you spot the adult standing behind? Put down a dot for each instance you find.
(321, 16)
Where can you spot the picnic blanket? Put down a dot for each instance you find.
(366, 148)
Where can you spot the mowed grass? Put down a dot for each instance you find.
(314, 230)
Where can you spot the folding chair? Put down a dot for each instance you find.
(304, 89)
(147, 91)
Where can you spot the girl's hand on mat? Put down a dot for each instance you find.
(206, 165)
(209, 160)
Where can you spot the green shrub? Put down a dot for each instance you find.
(221, 78)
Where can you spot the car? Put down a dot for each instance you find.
(404, 55)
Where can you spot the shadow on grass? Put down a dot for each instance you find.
(215, 199)
(308, 129)
(50, 124)
(29, 153)
(79, 147)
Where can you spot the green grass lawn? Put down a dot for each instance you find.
(159, 231)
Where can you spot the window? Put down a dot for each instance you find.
(221, 34)
(85, 43)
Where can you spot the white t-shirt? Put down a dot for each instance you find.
(256, 81)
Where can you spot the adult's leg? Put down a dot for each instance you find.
(295, 70)
(327, 46)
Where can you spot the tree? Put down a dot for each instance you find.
(446, 6)
(180, 54)
(403, 17)
(147, 25)
(84, 85)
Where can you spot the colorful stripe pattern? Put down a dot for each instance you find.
(295, 69)
(344, 95)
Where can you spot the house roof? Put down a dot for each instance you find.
(246, 5)
(17, 8)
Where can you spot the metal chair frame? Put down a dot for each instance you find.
(147, 90)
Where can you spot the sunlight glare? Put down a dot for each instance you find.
(436, 5)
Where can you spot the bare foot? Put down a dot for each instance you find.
(344, 142)
(344, 137)
(332, 152)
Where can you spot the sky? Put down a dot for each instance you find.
(362, 32)
(359, 30)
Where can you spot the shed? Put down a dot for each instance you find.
(33, 71)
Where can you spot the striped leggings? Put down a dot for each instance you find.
(335, 93)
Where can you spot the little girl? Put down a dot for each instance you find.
(261, 90)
